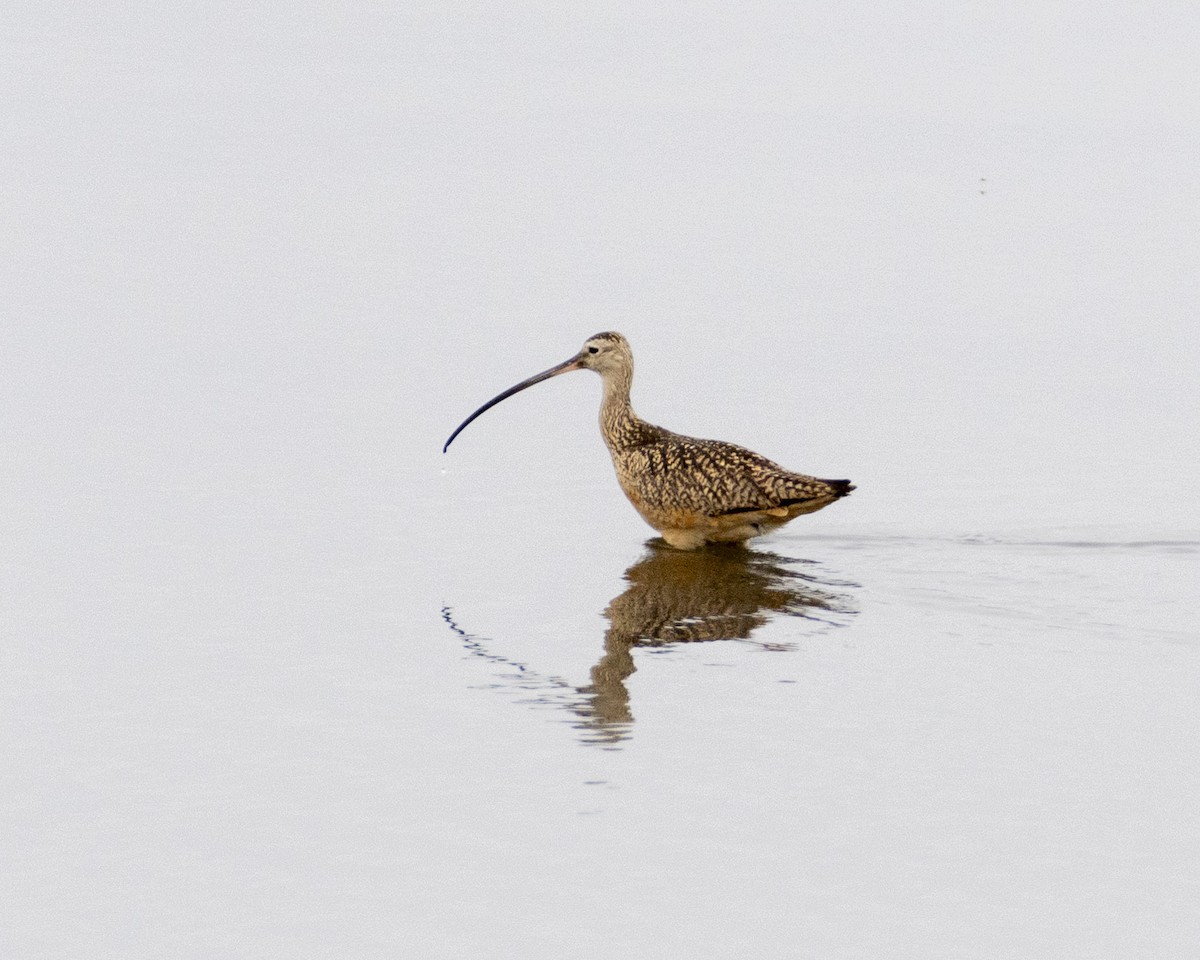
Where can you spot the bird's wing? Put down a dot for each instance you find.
(707, 477)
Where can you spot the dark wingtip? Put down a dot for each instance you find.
(841, 487)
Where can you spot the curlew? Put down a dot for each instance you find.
(691, 491)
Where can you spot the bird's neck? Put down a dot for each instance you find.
(618, 423)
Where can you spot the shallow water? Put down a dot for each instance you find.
(987, 591)
(978, 743)
(279, 679)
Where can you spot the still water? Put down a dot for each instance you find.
(673, 597)
(279, 679)
(768, 602)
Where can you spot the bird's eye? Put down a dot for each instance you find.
(593, 349)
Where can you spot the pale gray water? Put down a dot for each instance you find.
(278, 679)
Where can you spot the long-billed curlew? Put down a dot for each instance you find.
(691, 491)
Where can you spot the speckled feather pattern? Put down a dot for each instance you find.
(667, 474)
(680, 482)
(691, 491)
(668, 471)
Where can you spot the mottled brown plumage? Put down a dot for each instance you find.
(691, 491)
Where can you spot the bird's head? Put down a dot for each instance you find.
(606, 353)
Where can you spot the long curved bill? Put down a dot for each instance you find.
(565, 367)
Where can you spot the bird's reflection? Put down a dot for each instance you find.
(674, 596)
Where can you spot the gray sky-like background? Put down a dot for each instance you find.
(258, 261)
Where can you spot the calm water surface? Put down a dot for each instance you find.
(984, 590)
(278, 679)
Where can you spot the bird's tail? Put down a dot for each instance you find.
(840, 487)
